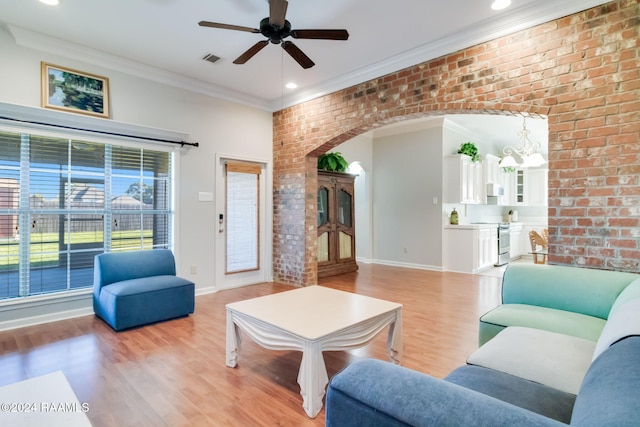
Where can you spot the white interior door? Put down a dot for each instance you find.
(241, 255)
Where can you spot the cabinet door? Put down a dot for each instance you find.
(536, 187)
(336, 229)
(462, 180)
(513, 187)
(484, 248)
(493, 245)
(491, 169)
(345, 227)
(515, 247)
(326, 217)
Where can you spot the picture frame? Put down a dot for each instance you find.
(74, 91)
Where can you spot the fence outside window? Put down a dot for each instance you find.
(63, 201)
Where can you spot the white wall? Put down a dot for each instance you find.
(407, 177)
(360, 149)
(219, 126)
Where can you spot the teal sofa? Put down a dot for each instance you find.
(530, 371)
(567, 300)
(136, 288)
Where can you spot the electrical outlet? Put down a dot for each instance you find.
(194, 269)
(406, 250)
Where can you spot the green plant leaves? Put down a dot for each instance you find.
(333, 162)
(470, 149)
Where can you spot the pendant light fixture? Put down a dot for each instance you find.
(528, 151)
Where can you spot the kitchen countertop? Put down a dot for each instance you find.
(471, 226)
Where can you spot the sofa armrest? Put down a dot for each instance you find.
(579, 290)
(371, 392)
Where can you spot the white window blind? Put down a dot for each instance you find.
(243, 192)
(63, 201)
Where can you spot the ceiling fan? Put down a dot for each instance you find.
(276, 28)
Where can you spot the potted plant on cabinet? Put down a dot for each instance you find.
(332, 162)
(470, 149)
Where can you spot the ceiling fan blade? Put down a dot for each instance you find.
(295, 52)
(320, 34)
(227, 27)
(277, 12)
(251, 51)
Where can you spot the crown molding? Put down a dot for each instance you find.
(38, 41)
(527, 16)
(507, 23)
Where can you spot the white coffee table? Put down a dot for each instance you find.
(313, 319)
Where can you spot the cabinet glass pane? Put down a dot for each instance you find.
(323, 206)
(344, 208)
(323, 247)
(345, 245)
(520, 186)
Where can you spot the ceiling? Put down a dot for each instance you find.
(161, 40)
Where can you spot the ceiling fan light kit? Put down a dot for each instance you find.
(276, 28)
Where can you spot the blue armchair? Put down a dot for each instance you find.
(139, 287)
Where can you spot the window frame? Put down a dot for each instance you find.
(169, 212)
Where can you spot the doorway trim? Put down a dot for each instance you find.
(265, 272)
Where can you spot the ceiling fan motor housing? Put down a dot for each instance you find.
(275, 33)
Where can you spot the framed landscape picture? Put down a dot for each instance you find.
(74, 91)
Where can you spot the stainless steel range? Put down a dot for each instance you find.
(504, 243)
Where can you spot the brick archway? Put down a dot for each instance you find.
(581, 71)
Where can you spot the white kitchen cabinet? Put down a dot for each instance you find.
(462, 180)
(515, 244)
(470, 248)
(526, 187)
(536, 187)
(487, 246)
(491, 169)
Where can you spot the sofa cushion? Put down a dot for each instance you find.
(527, 352)
(623, 322)
(145, 285)
(375, 393)
(610, 392)
(131, 303)
(549, 319)
(579, 290)
(526, 394)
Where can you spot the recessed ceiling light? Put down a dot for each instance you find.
(291, 85)
(500, 4)
(50, 2)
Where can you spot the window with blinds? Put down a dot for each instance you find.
(243, 193)
(63, 201)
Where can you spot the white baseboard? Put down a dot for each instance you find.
(205, 291)
(22, 322)
(407, 265)
(45, 318)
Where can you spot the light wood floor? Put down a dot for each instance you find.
(174, 374)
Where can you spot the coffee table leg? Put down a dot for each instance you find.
(312, 378)
(394, 340)
(233, 339)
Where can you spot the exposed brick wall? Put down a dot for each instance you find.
(581, 71)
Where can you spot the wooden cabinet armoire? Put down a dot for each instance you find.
(336, 224)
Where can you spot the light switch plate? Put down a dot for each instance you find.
(204, 196)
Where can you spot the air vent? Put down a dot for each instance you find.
(211, 58)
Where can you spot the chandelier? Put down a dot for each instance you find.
(528, 151)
